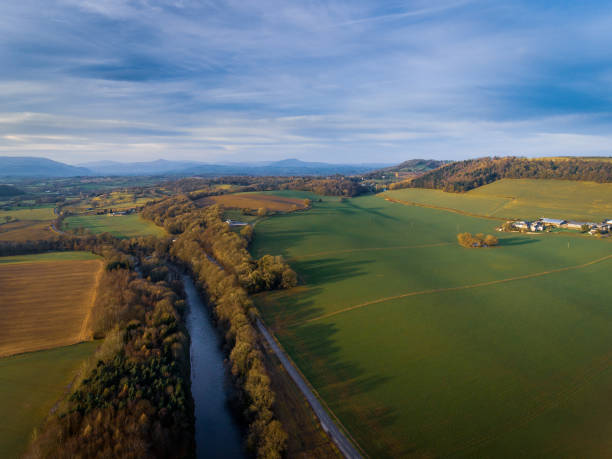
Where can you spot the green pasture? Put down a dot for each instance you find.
(522, 199)
(30, 384)
(296, 194)
(30, 213)
(49, 256)
(119, 226)
(425, 348)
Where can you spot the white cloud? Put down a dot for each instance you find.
(274, 78)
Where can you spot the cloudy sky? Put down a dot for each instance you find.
(335, 81)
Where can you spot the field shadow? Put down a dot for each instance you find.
(320, 271)
(373, 211)
(300, 305)
(352, 385)
(283, 240)
(510, 241)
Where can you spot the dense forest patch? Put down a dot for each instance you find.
(472, 173)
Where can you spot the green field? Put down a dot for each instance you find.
(30, 384)
(424, 348)
(33, 213)
(49, 256)
(522, 199)
(119, 226)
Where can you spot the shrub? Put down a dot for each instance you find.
(477, 241)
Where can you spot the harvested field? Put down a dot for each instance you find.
(26, 230)
(45, 304)
(255, 201)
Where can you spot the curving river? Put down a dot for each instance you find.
(216, 431)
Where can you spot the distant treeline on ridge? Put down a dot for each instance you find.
(465, 175)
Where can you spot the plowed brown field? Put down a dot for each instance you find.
(45, 304)
(255, 201)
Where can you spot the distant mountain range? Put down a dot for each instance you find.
(17, 166)
(43, 167)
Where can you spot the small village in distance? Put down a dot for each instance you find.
(548, 224)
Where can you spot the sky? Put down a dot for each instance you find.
(337, 81)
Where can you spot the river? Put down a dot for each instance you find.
(216, 431)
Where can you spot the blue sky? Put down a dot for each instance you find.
(336, 81)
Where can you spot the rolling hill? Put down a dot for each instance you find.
(410, 167)
(465, 175)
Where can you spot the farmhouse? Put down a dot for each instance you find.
(578, 225)
(122, 212)
(521, 224)
(541, 225)
(231, 222)
(536, 226)
(552, 221)
(531, 226)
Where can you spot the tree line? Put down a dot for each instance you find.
(133, 398)
(465, 175)
(337, 185)
(226, 272)
(229, 249)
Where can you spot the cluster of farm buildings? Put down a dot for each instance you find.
(543, 223)
(231, 222)
(111, 212)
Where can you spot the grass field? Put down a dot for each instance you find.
(119, 226)
(30, 224)
(424, 348)
(272, 202)
(45, 300)
(118, 200)
(30, 384)
(26, 230)
(522, 199)
(34, 213)
(50, 256)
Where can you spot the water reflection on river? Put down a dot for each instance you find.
(216, 431)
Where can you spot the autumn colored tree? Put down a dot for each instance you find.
(478, 240)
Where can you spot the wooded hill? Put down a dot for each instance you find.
(8, 190)
(472, 173)
(412, 166)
